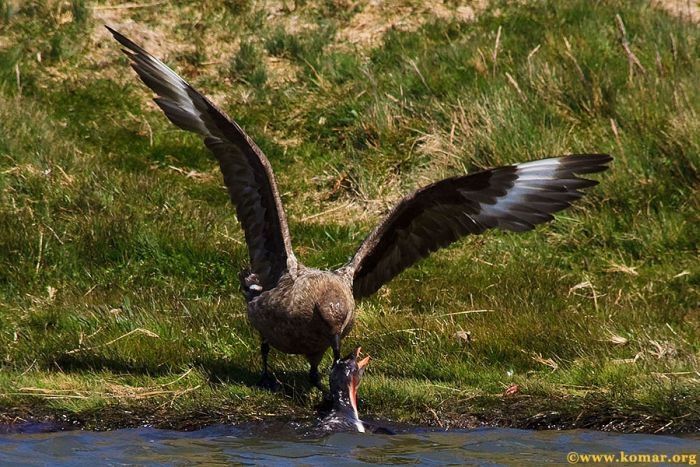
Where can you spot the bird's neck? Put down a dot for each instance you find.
(343, 408)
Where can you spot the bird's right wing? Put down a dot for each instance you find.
(515, 197)
(247, 172)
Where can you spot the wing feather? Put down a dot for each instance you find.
(516, 198)
(246, 171)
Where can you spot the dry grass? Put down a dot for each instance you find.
(367, 27)
(687, 10)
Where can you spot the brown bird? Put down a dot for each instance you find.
(301, 310)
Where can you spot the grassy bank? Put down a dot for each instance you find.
(119, 251)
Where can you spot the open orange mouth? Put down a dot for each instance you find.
(362, 363)
(355, 378)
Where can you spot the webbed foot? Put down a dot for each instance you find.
(315, 378)
(269, 382)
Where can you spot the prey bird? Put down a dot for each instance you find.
(302, 310)
(344, 379)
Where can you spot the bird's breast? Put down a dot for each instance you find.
(302, 314)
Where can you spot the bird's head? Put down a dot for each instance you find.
(346, 375)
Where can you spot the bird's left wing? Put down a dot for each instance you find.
(515, 197)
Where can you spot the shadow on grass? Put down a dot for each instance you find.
(219, 371)
(82, 363)
(295, 385)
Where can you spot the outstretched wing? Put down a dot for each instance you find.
(247, 172)
(515, 197)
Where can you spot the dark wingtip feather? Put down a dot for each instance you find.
(592, 157)
(586, 163)
(123, 40)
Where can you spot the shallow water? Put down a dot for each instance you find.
(275, 446)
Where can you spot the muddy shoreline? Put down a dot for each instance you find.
(521, 413)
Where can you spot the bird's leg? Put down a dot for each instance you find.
(315, 378)
(264, 351)
(267, 381)
(314, 375)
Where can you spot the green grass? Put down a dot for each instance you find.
(119, 251)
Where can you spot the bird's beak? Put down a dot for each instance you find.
(364, 362)
(355, 378)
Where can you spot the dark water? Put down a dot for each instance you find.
(226, 445)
